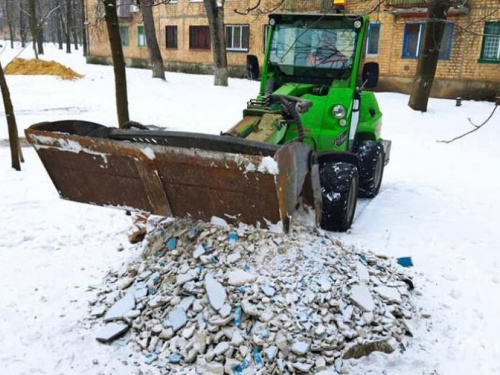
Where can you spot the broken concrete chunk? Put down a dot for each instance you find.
(388, 293)
(221, 348)
(111, 331)
(237, 339)
(216, 292)
(361, 297)
(249, 309)
(362, 272)
(188, 276)
(233, 258)
(270, 352)
(268, 290)
(199, 251)
(177, 319)
(186, 303)
(302, 367)
(300, 347)
(208, 368)
(240, 278)
(120, 308)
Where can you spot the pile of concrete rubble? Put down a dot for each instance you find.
(215, 299)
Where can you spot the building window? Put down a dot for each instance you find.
(124, 35)
(412, 43)
(237, 38)
(490, 51)
(141, 37)
(199, 37)
(123, 8)
(445, 48)
(373, 39)
(171, 36)
(414, 40)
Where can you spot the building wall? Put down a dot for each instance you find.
(460, 75)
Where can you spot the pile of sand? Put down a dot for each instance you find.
(40, 67)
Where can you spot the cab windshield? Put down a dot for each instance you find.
(319, 50)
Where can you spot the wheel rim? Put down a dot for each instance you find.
(378, 170)
(351, 200)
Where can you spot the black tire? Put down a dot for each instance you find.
(339, 188)
(371, 156)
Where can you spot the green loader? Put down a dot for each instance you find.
(309, 144)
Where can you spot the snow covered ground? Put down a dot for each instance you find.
(438, 204)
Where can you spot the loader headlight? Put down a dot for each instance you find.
(357, 24)
(272, 21)
(338, 111)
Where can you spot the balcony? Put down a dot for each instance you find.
(406, 3)
(418, 8)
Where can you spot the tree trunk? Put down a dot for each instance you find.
(8, 12)
(22, 30)
(74, 24)
(428, 60)
(59, 24)
(39, 30)
(67, 31)
(115, 44)
(11, 123)
(84, 30)
(32, 23)
(215, 15)
(151, 40)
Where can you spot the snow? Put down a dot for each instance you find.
(269, 165)
(438, 204)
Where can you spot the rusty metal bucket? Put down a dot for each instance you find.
(178, 174)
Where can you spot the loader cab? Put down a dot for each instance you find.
(307, 49)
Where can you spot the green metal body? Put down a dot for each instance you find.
(286, 71)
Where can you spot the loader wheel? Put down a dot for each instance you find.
(371, 155)
(339, 188)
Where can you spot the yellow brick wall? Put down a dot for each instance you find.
(466, 43)
(462, 66)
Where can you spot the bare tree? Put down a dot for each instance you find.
(115, 44)
(215, 15)
(15, 149)
(32, 23)
(67, 29)
(9, 14)
(151, 40)
(427, 62)
(39, 28)
(84, 28)
(22, 28)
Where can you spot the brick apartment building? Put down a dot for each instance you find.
(469, 64)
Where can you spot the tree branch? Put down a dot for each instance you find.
(476, 127)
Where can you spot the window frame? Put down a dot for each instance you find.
(143, 34)
(241, 47)
(372, 25)
(192, 28)
(172, 27)
(482, 59)
(124, 27)
(444, 50)
(265, 33)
